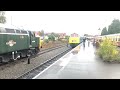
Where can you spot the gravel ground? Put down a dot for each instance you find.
(15, 70)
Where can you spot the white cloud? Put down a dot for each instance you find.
(62, 21)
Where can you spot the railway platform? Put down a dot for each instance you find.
(80, 63)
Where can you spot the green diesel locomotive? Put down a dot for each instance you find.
(16, 43)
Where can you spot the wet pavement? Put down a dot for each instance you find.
(81, 63)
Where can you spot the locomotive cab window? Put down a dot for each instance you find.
(23, 32)
(9, 30)
(119, 39)
(116, 39)
(32, 34)
(17, 31)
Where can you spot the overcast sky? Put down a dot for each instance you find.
(68, 22)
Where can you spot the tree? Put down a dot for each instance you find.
(55, 34)
(67, 37)
(104, 31)
(114, 27)
(2, 17)
(51, 37)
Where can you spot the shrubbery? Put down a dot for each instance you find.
(108, 52)
(51, 37)
(46, 40)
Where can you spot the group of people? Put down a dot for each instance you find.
(84, 40)
(97, 42)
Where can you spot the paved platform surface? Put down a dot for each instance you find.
(81, 63)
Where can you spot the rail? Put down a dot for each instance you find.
(33, 72)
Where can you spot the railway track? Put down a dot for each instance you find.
(33, 72)
(40, 53)
(50, 49)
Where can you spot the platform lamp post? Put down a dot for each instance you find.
(99, 31)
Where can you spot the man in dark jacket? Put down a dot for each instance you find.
(84, 39)
(88, 42)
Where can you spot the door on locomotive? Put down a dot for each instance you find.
(31, 35)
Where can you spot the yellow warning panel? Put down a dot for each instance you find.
(74, 40)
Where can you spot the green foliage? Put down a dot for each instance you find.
(107, 51)
(46, 40)
(55, 34)
(104, 31)
(2, 17)
(51, 37)
(66, 37)
(114, 27)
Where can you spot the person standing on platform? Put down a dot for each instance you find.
(84, 39)
(94, 42)
(88, 42)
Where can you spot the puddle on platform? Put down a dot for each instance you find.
(76, 50)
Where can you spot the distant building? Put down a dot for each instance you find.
(74, 35)
(37, 34)
(62, 35)
(46, 34)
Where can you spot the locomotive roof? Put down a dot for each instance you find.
(11, 30)
(110, 35)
